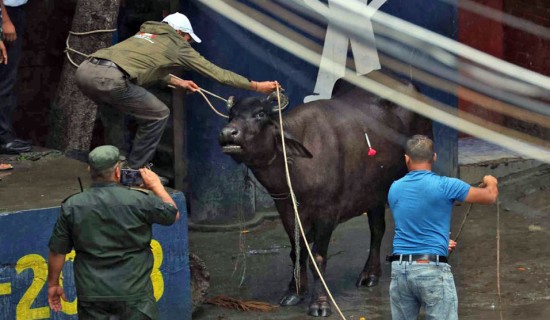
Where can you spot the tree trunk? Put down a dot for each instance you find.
(72, 114)
(200, 281)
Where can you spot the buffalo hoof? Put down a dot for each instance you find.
(319, 309)
(367, 281)
(291, 299)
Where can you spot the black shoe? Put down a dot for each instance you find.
(15, 147)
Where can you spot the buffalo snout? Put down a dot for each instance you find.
(229, 139)
(229, 134)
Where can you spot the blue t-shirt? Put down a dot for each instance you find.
(421, 203)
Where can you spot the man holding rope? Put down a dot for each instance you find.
(115, 78)
(421, 204)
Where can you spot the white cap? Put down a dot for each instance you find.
(180, 22)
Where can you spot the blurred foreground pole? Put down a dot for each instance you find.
(72, 114)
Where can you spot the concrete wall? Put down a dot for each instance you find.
(23, 269)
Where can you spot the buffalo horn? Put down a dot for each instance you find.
(272, 99)
(230, 102)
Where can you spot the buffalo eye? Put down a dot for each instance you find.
(260, 115)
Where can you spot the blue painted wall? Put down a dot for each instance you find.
(218, 192)
(24, 243)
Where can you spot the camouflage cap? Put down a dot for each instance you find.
(104, 157)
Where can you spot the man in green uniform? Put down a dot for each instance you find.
(115, 77)
(109, 227)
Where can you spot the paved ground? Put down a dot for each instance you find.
(41, 179)
(259, 259)
(255, 265)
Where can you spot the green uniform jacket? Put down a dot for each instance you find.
(109, 227)
(157, 50)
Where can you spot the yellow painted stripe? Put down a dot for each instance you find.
(5, 288)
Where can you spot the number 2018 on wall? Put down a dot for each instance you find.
(38, 265)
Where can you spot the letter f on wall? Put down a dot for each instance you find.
(335, 51)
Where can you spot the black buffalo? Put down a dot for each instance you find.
(333, 176)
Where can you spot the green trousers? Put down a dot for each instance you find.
(143, 309)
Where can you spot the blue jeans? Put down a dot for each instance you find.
(430, 285)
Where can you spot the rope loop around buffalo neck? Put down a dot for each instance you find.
(297, 215)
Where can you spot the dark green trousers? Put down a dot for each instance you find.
(143, 309)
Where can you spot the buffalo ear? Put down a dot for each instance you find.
(293, 146)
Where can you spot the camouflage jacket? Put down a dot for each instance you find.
(157, 50)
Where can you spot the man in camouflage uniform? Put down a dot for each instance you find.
(109, 227)
(116, 77)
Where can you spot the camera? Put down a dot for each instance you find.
(130, 177)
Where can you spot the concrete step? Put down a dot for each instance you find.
(477, 158)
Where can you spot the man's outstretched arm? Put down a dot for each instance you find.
(487, 193)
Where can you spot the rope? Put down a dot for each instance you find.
(211, 106)
(464, 221)
(201, 89)
(462, 225)
(498, 261)
(294, 203)
(498, 251)
(242, 247)
(297, 252)
(69, 49)
(213, 95)
(250, 305)
(202, 92)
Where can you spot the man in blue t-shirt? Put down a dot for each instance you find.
(421, 203)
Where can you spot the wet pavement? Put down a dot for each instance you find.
(39, 179)
(255, 265)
